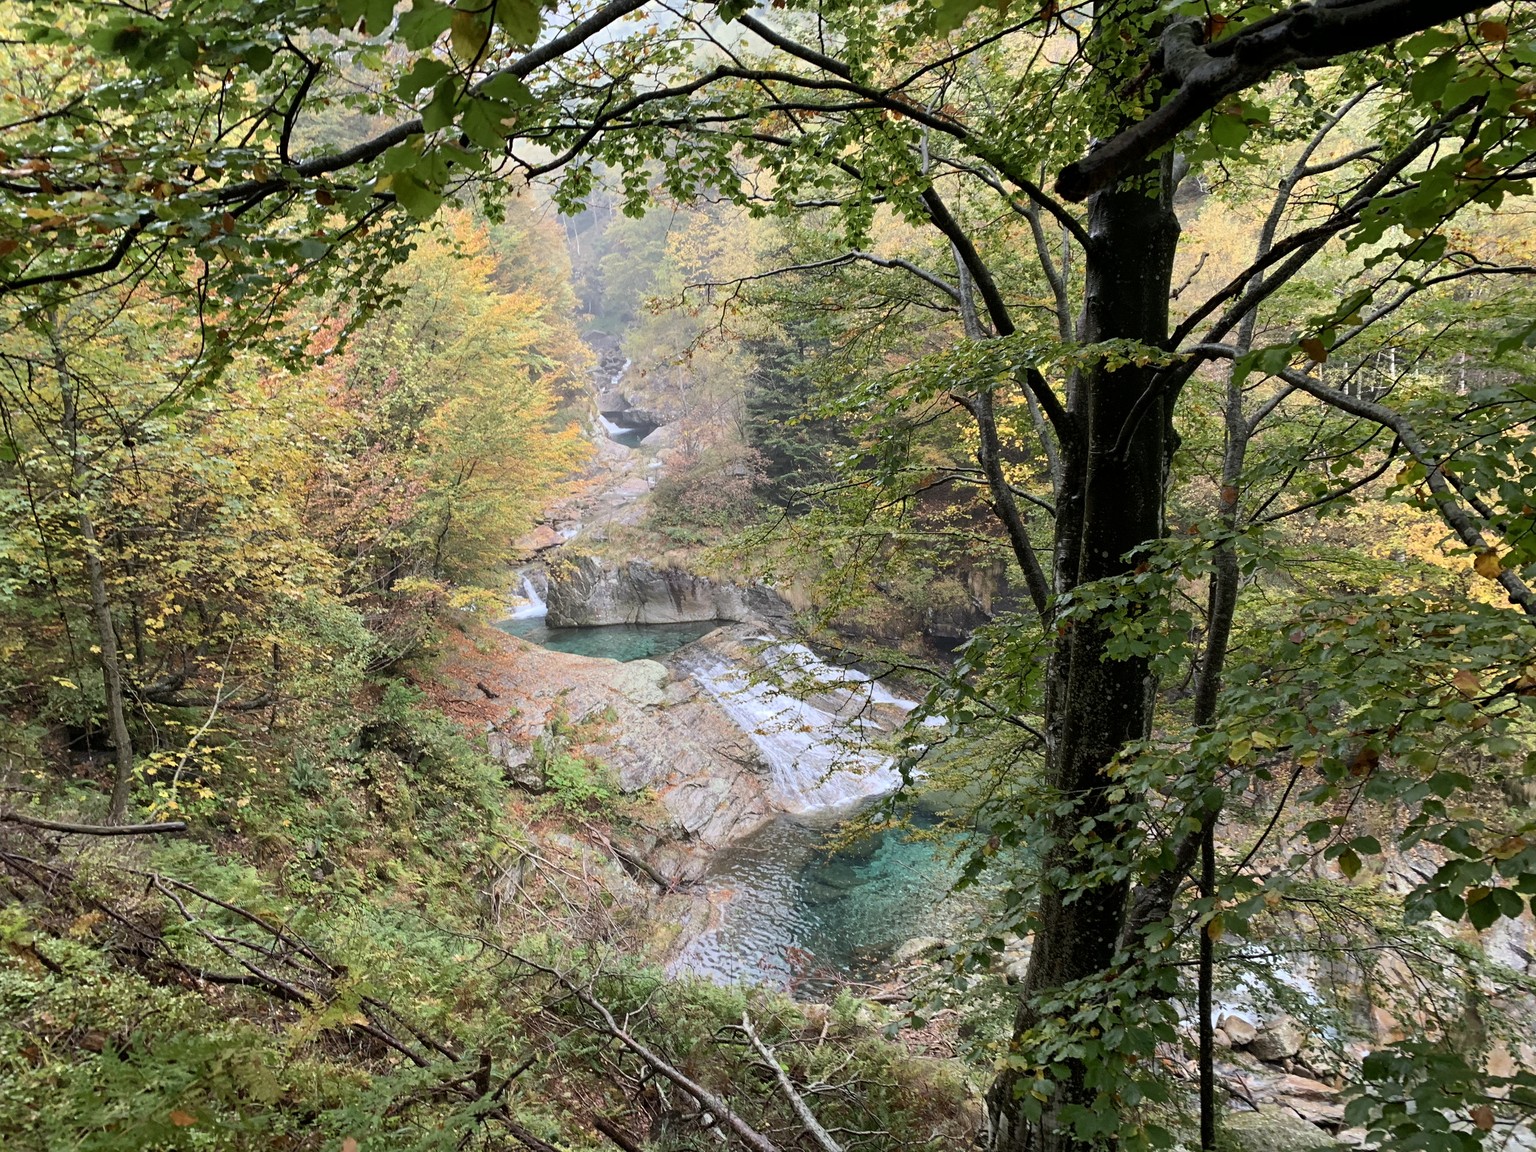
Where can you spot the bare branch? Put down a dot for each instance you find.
(1445, 497)
(802, 1110)
(162, 828)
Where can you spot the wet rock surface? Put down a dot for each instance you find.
(585, 591)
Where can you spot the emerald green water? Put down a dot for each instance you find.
(804, 917)
(611, 641)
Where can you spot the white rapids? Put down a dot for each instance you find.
(814, 724)
(530, 605)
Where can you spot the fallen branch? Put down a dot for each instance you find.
(790, 1093)
(722, 1112)
(611, 1130)
(164, 827)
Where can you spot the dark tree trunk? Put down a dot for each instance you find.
(1112, 501)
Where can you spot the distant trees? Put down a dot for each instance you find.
(180, 552)
(1154, 690)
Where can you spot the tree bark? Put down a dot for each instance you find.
(1112, 501)
(101, 605)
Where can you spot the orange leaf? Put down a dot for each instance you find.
(182, 1119)
(1467, 683)
(1482, 1118)
(1487, 564)
(1495, 30)
(1315, 349)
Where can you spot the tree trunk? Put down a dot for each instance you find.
(1112, 501)
(101, 606)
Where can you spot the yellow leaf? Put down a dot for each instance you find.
(1315, 349)
(1467, 683)
(467, 34)
(1495, 30)
(1216, 926)
(1487, 564)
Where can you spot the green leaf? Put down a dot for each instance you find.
(468, 34)
(482, 123)
(506, 87)
(1483, 911)
(423, 74)
(1229, 132)
(519, 19)
(421, 26)
(415, 197)
(439, 113)
(1428, 83)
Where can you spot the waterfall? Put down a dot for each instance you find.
(811, 722)
(530, 605)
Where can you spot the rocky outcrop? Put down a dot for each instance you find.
(586, 591)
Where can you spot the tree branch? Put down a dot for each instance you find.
(1309, 36)
(1445, 497)
(162, 828)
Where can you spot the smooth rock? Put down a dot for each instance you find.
(1273, 1128)
(1240, 1031)
(1280, 1037)
(915, 948)
(585, 591)
(642, 682)
(1312, 1100)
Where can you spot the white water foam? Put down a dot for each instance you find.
(811, 722)
(530, 605)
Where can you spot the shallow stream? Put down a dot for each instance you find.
(611, 641)
(798, 911)
(800, 917)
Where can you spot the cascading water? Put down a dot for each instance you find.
(531, 605)
(794, 915)
(814, 725)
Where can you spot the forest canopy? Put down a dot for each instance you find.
(1210, 331)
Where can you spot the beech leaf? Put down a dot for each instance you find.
(467, 35)
(1315, 349)
(1487, 564)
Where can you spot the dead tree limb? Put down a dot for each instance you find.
(162, 828)
(791, 1094)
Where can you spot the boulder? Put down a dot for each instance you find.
(516, 759)
(541, 539)
(915, 948)
(1312, 1100)
(1273, 1128)
(1238, 1030)
(1279, 1038)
